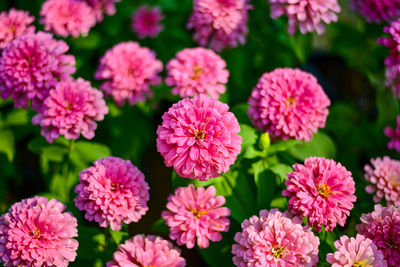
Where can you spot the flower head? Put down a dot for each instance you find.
(101, 7)
(31, 65)
(308, 14)
(382, 226)
(197, 71)
(394, 134)
(150, 250)
(275, 239)
(196, 214)
(199, 138)
(37, 232)
(219, 23)
(392, 42)
(377, 10)
(111, 192)
(288, 103)
(321, 190)
(71, 109)
(146, 21)
(129, 70)
(13, 24)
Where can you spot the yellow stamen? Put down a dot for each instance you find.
(197, 213)
(197, 71)
(278, 253)
(324, 190)
(361, 263)
(199, 134)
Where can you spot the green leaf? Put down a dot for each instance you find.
(320, 146)
(89, 151)
(248, 134)
(117, 236)
(7, 144)
(265, 182)
(251, 153)
(17, 117)
(50, 152)
(279, 202)
(281, 146)
(281, 170)
(160, 226)
(57, 187)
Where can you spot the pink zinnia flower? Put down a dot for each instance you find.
(14, 23)
(197, 71)
(71, 109)
(377, 10)
(384, 174)
(101, 7)
(67, 17)
(199, 137)
(382, 226)
(129, 70)
(219, 23)
(31, 65)
(288, 103)
(196, 214)
(308, 14)
(149, 250)
(37, 232)
(321, 190)
(146, 21)
(111, 192)
(275, 239)
(394, 134)
(392, 79)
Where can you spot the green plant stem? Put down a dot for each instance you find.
(67, 168)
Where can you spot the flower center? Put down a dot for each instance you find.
(199, 134)
(278, 252)
(197, 71)
(394, 179)
(197, 213)
(324, 190)
(362, 263)
(35, 233)
(290, 101)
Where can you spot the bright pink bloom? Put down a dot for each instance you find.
(146, 21)
(150, 250)
(321, 190)
(129, 70)
(393, 79)
(382, 226)
(199, 137)
(31, 65)
(308, 14)
(275, 239)
(384, 174)
(196, 214)
(101, 7)
(37, 232)
(219, 23)
(377, 10)
(14, 23)
(111, 192)
(71, 109)
(394, 134)
(288, 103)
(197, 71)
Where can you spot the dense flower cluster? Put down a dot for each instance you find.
(197, 71)
(377, 10)
(14, 23)
(101, 7)
(219, 23)
(199, 138)
(111, 192)
(394, 135)
(196, 214)
(275, 239)
(146, 21)
(37, 232)
(288, 103)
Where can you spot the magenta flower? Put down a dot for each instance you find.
(394, 134)
(67, 17)
(129, 70)
(37, 232)
(101, 7)
(382, 226)
(111, 192)
(196, 214)
(71, 109)
(384, 174)
(288, 103)
(308, 14)
(375, 11)
(275, 239)
(199, 138)
(13, 24)
(31, 65)
(150, 250)
(359, 251)
(321, 190)
(219, 23)
(197, 71)
(146, 21)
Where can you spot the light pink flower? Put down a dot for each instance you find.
(111, 192)
(382, 226)
(199, 138)
(359, 251)
(146, 21)
(394, 135)
(196, 214)
(219, 23)
(197, 71)
(377, 10)
(275, 239)
(14, 23)
(31, 65)
(288, 103)
(37, 232)
(321, 190)
(150, 250)
(129, 70)
(101, 7)
(71, 109)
